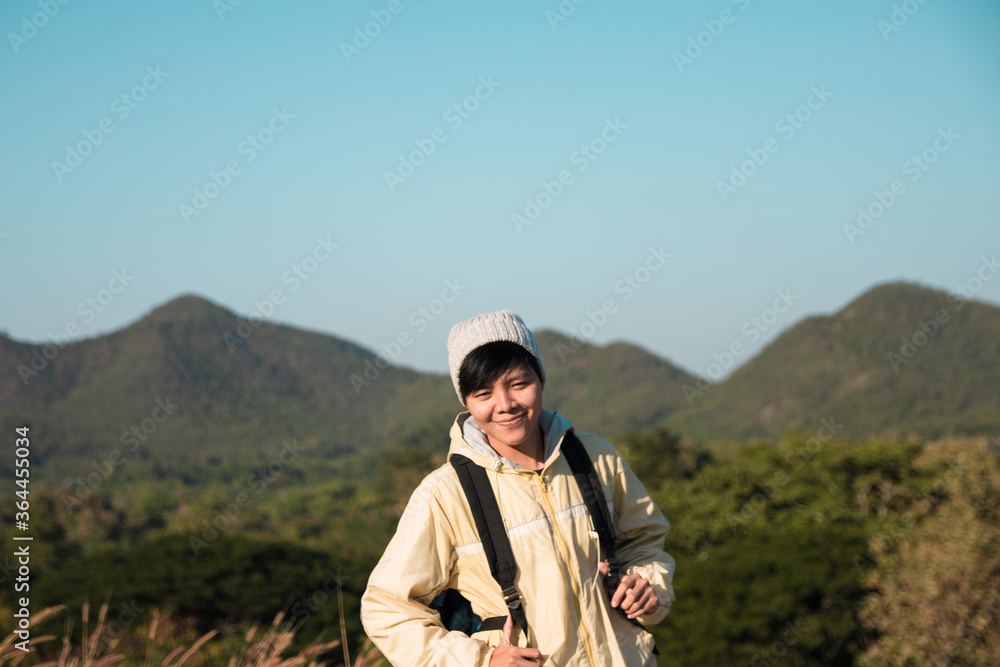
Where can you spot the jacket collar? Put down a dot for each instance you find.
(469, 439)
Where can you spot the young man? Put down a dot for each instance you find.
(571, 618)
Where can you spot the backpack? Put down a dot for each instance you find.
(456, 611)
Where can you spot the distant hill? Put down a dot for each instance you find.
(240, 392)
(839, 368)
(238, 404)
(612, 388)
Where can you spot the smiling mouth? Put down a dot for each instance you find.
(510, 422)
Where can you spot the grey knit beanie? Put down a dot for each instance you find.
(501, 325)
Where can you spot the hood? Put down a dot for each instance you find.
(468, 439)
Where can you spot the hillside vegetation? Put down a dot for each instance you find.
(191, 385)
(899, 359)
(831, 504)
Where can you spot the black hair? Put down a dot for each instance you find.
(488, 363)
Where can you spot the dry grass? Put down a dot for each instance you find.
(98, 648)
(267, 651)
(10, 654)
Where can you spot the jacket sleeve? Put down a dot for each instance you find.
(641, 530)
(414, 569)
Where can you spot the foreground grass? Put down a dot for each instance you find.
(166, 642)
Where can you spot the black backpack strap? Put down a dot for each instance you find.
(593, 497)
(493, 623)
(489, 524)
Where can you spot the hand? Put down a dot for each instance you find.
(634, 594)
(507, 654)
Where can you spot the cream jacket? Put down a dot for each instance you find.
(570, 619)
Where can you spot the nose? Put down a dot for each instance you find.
(504, 400)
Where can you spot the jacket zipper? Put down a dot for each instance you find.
(566, 560)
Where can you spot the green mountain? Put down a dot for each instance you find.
(609, 389)
(195, 384)
(899, 359)
(185, 385)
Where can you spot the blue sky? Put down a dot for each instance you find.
(739, 138)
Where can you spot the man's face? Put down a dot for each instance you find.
(509, 410)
